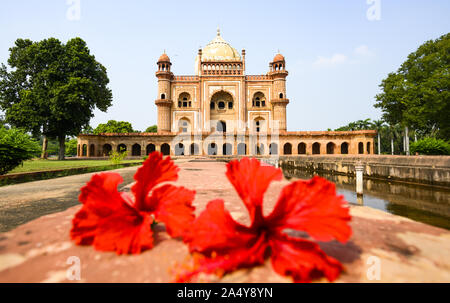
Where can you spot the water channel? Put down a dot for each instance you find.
(427, 204)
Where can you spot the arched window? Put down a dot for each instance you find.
(301, 148)
(165, 149)
(230, 105)
(316, 148)
(221, 105)
(287, 149)
(259, 100)
(163, 96)
(368, 147)
(150, 148)
(184, 100)
(136, 150)
(211, 105)
(281, 95)
(344, 148)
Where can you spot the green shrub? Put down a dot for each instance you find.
(16, 146)
(117, 157)
(430, 146)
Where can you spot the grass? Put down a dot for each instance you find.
(44, 165)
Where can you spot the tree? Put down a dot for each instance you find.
(52, 89)
(71, 147)
(16, 146)
(417, 95)
(113, 126)
(152, 129)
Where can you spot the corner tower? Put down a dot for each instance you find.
(279, 102)
(164, 101)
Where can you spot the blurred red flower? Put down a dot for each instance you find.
(116, 221)
(220, 244)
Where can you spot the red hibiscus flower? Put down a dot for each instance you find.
(220, 244)
(115, 221)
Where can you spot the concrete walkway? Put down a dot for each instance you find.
(38, 251)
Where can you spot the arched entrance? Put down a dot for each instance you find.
(121, 148)
(301, 148)
(227, 149)
(150, 148)
(84, 151)
(344, 148)
(242, 149)
(360, 148)
(212, 149)
(194, 149)
(287, 149)
(136, 150)
(106, 150)
(316, 148)
(179, 149)
(221, 104)
(273, 149)
(165, 149)
(330, 148)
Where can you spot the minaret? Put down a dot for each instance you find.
(279, 101)
(164, 100)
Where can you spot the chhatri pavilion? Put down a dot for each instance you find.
(220, 110)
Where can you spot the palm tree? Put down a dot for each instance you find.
(378, 125)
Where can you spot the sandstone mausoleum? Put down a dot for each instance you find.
(220, 110)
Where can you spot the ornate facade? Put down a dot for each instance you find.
(222, 111)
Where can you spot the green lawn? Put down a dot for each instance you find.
(42, 165)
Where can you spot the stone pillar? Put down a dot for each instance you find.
(359, 171)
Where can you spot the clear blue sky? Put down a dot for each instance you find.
(335, 55)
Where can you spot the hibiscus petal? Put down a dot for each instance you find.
(100, 194)
(251, 181)
(173, 206)
(154, 171)
(215, 230)
(312, 206)
(108, 221)
(302, 259)
(220, 244)
(125, 232)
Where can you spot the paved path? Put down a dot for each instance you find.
(38, 251)
(21, 203)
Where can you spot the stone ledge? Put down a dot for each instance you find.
(408, 251)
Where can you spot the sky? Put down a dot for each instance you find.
(337, 51)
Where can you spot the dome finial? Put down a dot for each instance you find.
(218, 30)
